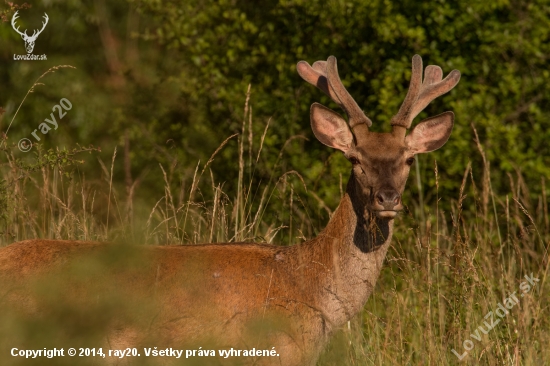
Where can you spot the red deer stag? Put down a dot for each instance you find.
(257, 295)
(29, 40)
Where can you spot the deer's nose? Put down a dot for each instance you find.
(388, 198)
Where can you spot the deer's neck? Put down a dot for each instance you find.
(353, 247)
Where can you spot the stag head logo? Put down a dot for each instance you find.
(29, 40)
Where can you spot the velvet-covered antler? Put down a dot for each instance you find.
(324, 75)
(420, 93)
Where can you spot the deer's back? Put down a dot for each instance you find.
(208, 269)
(176, 295)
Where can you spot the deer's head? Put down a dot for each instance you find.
(29, 40)
(381, 161)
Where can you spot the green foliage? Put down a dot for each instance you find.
(166, 82)
(500, 47)
(63, 160)
(176, 87)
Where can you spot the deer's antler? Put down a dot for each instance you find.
(420, 93)
(43, 25)
(35, 32)
(324, 75)
(15, 16)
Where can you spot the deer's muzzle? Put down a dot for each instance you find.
(387, 203)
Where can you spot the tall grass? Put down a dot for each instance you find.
(445, 271)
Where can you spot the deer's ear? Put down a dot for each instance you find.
(329, 128)
(430, 134)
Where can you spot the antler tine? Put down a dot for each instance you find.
(13, 19)
(15, 16)
(46, 18)
(316, 76)
(320, 66)
(420, 93)
(400, 119)
(324, 75)
(43, 24)
(348, 104)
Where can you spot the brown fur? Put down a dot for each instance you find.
(252, 295)
(309, 289)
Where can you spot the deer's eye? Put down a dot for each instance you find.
(353, 160)
(410, 161)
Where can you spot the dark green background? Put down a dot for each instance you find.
(169, 80)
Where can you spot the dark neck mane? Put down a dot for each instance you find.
(345, 259)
